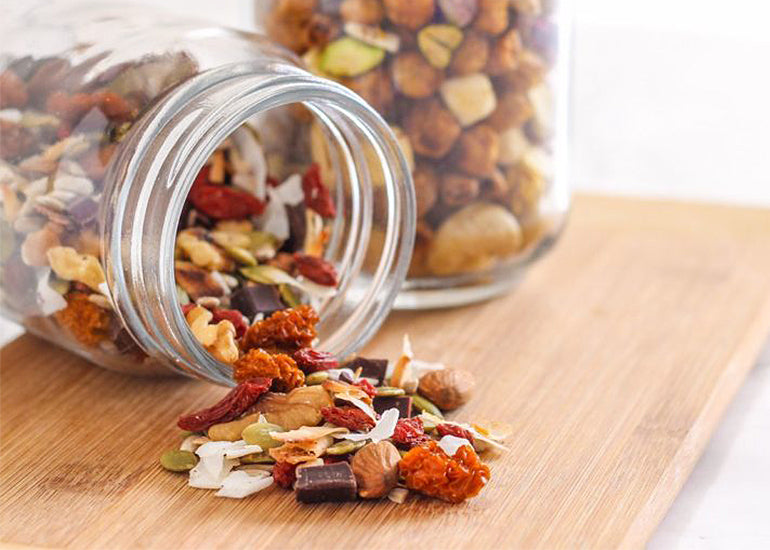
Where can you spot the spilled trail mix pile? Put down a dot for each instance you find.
(331, 431)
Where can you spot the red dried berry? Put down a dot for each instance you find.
(284, 474)
(233, 405)
(222, 203)
(365, 385)
(234, 316)
(409, 433)
(317, 196)
(272, 182)
(187, 308)
(457, 431)
(352, 418)
(316, 269)
(312, 360)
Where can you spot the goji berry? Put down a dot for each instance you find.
(409, 433)
(233, 405)
(223, 203)
(312, 360)
(284, 474)
(317, 196)
(316, 269)
(365, 385)
(348, 417)
(457, 431)
(234, 316)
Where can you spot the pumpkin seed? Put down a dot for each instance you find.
(176, 460)
(388, 391)
(257, 458)
(259, 434)
(267, 275)
(344, 447)
(316, 378)
(288, 296)
(241, 255)
(426, 406)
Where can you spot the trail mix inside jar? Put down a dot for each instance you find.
(465, 84)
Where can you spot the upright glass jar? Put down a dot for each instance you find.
(476, 90)
(108, 114)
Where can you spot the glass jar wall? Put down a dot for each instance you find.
(476, 92)
(124, 130)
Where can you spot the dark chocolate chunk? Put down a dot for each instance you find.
(371, 368)
(297, 228)
(327, 483)
(345, 377)
(401, 402)
(257, 298)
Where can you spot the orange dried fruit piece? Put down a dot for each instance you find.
(88, 323)
(287, 330)
(429, 470)
(281, 368)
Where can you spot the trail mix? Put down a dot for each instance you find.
(248, 244)
(464, 83)
(334, 431)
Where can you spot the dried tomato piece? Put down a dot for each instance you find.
(281, 368)
(453, 429)
(88, 323)
(316, 269)
(234, 316)
(287, 330)
(348, 417)
(429, 470)
(223, 203)
(312, 360)
(317, 196)
(365, 385)
(284, 474)
(409, 433)
(233, 405)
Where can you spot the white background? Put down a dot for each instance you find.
(671, 98)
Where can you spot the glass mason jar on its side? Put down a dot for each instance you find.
(108, 114)
(477, 92)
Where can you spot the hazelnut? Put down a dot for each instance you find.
(447, 388)
(366, 12)
(496, 187)
(458, 189)
(376, 469)
(288, 23)
(471, 56)
(414, 77)
(513, 109)
(375, 87)
(425, 187)
(411, 14)
(492, 17)
(431, 128)
(530, 70)
(505, 53)
(477, 151)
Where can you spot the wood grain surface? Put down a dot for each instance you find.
(613, 360)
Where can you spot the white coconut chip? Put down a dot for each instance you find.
(274, 219)
(48, 300)
(253, 161)
(290, 190)
(217, 459)
(192, 442)
(381, 431)
(398, 495)
(451, 444)
(240, 484)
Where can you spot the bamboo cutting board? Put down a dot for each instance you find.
(613, 360)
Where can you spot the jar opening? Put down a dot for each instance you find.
(369, 239)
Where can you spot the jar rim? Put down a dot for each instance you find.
(155, 169)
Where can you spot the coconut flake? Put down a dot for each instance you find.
(381, 431)
(398, 495)
(254, 165)
(307, 433)
(217, 459)
(275, 220)
(450, 444)
(240, 484)
(290, 191)
(48, 300)
(192, 442)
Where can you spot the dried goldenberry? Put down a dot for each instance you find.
(312, 360)
(233, 405)
(352, 418)
(429, 470)
(365, 385)
(317, 196)
(281, 368)
(88, 323)
(453, 429)
(284, 474)
(316, 269)
(234, 316)
(409, 433)
(287, 330)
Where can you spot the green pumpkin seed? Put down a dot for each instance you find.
(426, 406)
(344, 447)
(241, 255)
(178, 461)
(268, 275)
(259, 434)
(262, 239)
(316, 378)
(388, 391)
(257, 458)
(288, 296)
